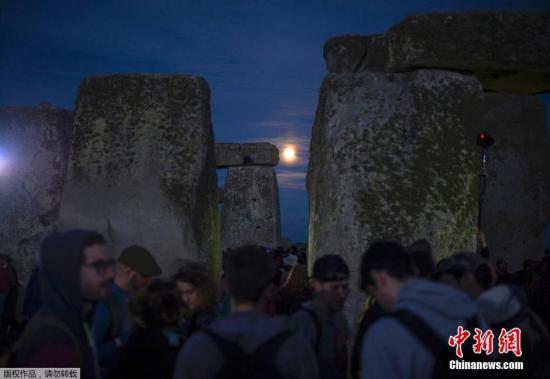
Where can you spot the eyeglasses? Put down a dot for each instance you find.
(101, 265)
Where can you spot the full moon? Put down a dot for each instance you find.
(289, 154)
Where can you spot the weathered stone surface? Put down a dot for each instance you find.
(507, 51)
(237, 154)
(517, 204)
(251, 207)
(34, 146)
(393, 156)
(142, 167)
(356, 53)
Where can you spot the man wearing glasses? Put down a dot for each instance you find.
(112, 323)
(76, 271)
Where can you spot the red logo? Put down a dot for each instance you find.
(508, 341)
(457, 341)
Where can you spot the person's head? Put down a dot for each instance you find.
(467, 271)
(420, 253)
(249, 273)
(137, 267)
(502, 266)
(196, 286)
(385, 266)
(157, 306)
(330, 279)
(96, 268)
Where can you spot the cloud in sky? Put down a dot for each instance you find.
(294, 180)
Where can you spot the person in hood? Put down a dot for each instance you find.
(76, 271)
(390, 349)
(249, 273)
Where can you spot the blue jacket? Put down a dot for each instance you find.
(390, 351)
(101, 325)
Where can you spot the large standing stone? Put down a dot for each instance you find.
(517, 205)
(240, 154)
(142, 168)
(509, 52)
(34, 146)
(251, 212)
(393, 156)
(356, 53)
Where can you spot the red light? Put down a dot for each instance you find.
(482, 136)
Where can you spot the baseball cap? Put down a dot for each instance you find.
(140, 259)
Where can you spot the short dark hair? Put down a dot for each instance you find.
(202, 279)
(420, 252)
(249, 271)
(330, 268)
(383, 255)
(158, 305)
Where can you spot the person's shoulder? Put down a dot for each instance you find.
(199, 342)
(48, 344)
(387, 331)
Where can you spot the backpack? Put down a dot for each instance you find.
(258, 364)
(318, 329)
(442, 352)
(535, 342)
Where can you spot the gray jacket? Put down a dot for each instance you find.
(200, 357)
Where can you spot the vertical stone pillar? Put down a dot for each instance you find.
(142, 167)
(251, 212)
(34, 148)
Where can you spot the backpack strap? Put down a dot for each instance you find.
(420, 329)
(317, 323)
(42, 320)
(116, 318)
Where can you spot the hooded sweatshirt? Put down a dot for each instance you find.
(391, 351)
(200, 357)
(49, 346)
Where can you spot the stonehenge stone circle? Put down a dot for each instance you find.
(251, 212)
(142, 167)
(391, 157)
(257, 154)
(517, 203)
(507, 51)
(34, 150)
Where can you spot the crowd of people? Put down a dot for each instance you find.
(267, 317)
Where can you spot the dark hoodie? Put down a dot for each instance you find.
(51, 346)
(200, 358)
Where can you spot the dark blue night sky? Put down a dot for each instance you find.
(262, 59)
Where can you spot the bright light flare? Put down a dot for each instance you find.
(5, 163)
(289, 154)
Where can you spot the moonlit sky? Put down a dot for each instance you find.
(262, 59)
